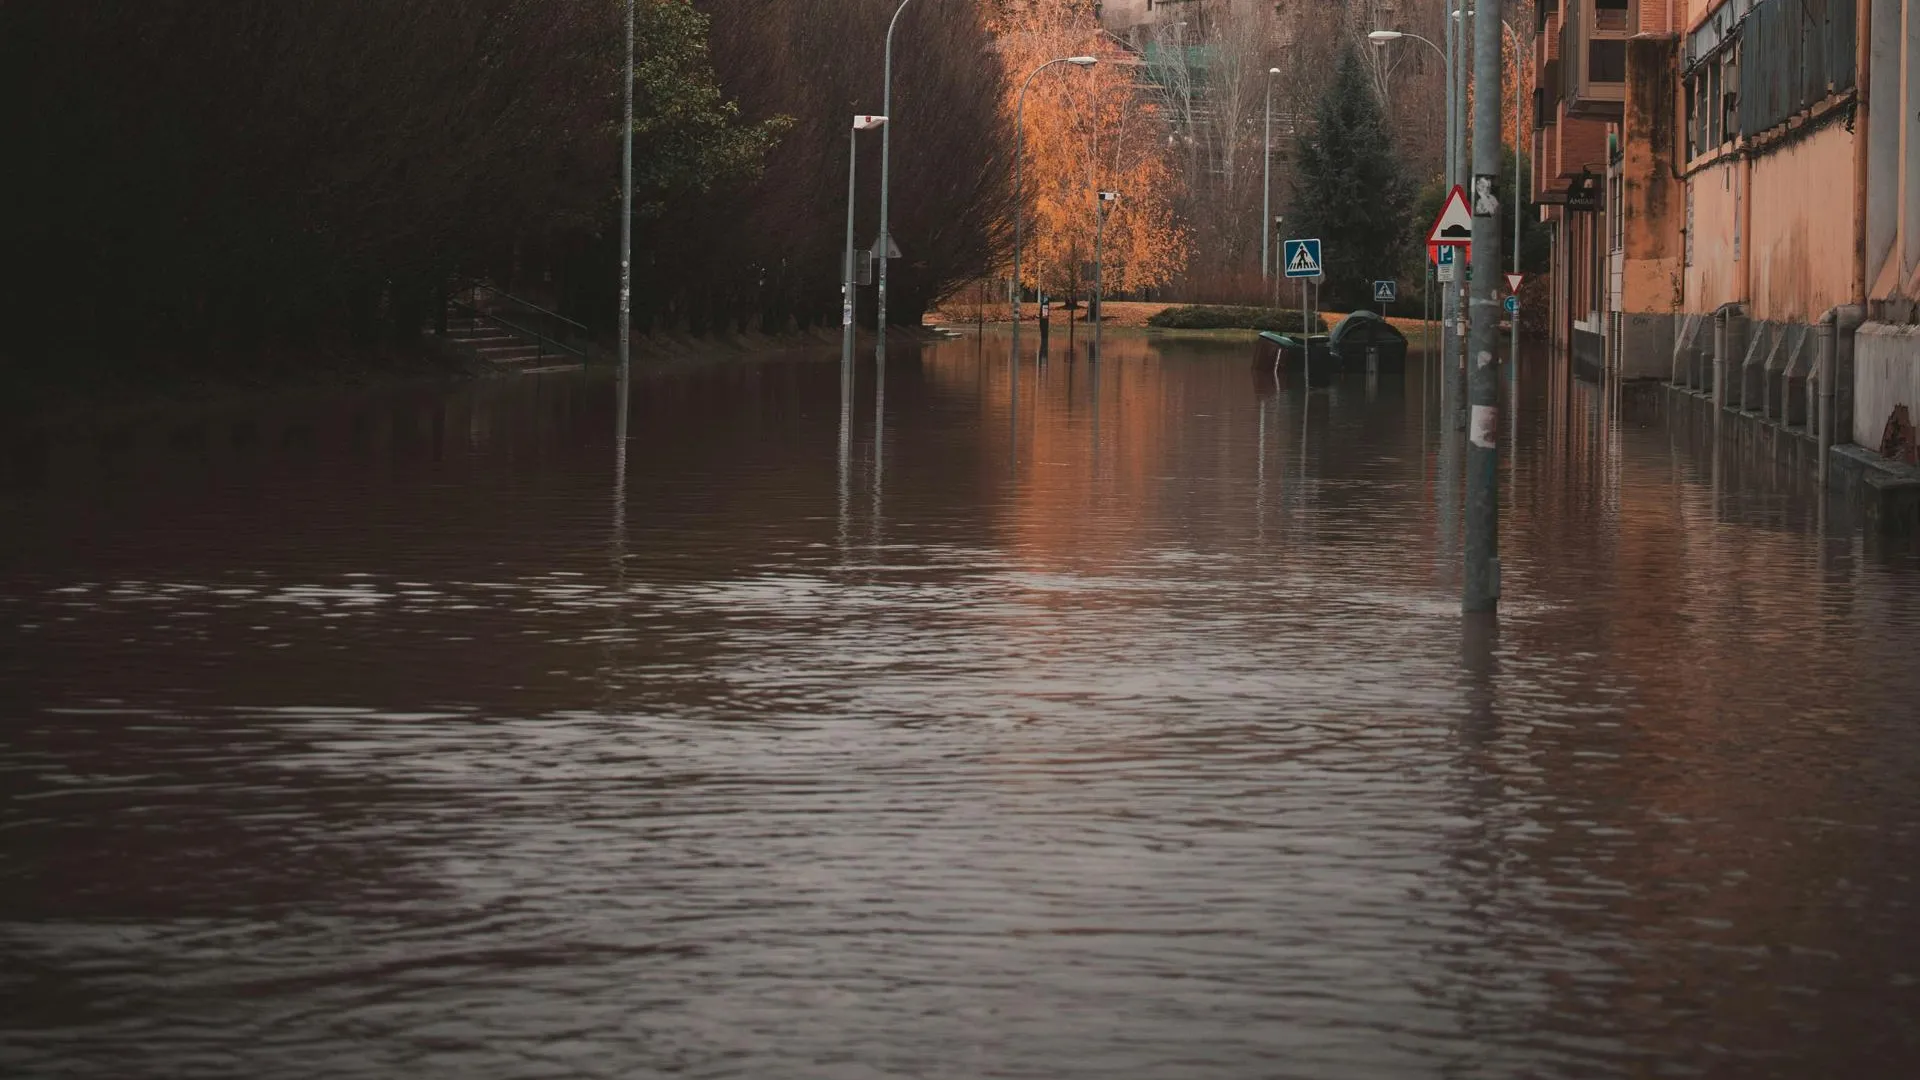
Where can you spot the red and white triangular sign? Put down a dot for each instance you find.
(1513, 283)
(1455, 223)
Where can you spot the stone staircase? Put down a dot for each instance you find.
(498, 348)
(509, 334)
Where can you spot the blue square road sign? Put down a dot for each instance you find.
(1301, 258)
(1385, 292)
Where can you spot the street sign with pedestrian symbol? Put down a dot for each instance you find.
(1385, 292)
(1302, 258)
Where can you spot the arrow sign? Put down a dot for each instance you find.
(1302, 258)
(1513, 305)
(1513, 283)
(867, 123)
(1454, 226)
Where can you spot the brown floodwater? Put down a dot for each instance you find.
(1117, 722)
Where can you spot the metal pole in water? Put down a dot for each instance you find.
(1513, 337)
(846, 269)
(626, 229)
(886, 159)
(1482, 592)
(1101, 199)
(1306, 342)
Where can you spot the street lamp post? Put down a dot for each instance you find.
(1099, 291)
(1019, 148)
(1513, 331)
(860, 124)
(1266, 186)
(1381, 38)
(626, 230)
(885, 245)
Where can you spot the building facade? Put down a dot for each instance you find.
(1734, 193)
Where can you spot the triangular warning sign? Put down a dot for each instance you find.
(1455, 223)
(1513, 283)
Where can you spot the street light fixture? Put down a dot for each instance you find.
(1455, 133)
(885, 247)
(1099, 292)
(860, 124)
(1019, 149)
(1266, 185)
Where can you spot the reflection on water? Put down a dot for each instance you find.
(1131, 730)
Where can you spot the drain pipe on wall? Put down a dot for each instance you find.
(1862, 80)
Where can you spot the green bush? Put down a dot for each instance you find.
(1219, 317)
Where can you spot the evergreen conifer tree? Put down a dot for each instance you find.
(1348, 189)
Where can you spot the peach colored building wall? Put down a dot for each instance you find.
(1713, 276)
(1802, 221)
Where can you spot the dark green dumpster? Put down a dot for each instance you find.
(1364, 335)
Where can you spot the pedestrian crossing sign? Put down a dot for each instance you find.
(1385, 292)
(1302, 258)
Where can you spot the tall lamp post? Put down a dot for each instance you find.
(1513, 339)
(1019, 148)
(860, 124)
(626, 231)
(885, 246)
(1099, 291)
(1266, 186)
(1382, 38)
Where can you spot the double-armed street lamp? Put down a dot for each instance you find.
(1019, 147)
(1455, 136)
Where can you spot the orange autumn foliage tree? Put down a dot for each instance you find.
(1088, 130)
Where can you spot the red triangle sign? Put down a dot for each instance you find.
(1455, 223)
(1513, 283)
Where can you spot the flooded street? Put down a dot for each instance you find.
(1118, 724)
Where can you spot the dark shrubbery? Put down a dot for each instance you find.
(187, 176)
(1213, 317)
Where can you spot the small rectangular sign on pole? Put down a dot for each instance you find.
(1447, 267)
(1385, 292)
(1513, 305)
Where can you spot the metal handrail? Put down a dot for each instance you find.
(530, 306)
(540, 340)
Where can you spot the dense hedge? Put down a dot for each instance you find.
(1215, 317)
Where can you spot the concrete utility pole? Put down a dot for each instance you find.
(886, 159)
(626, 228)
(1482, 593)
